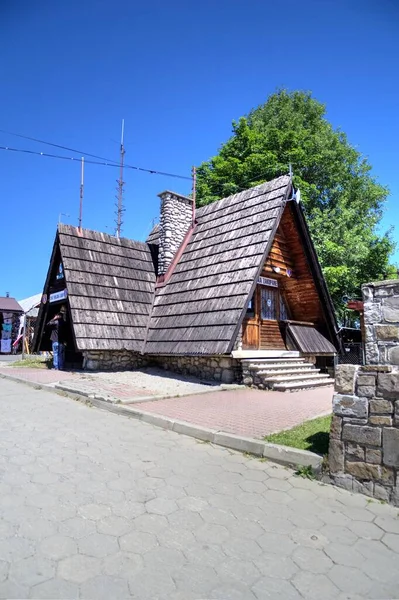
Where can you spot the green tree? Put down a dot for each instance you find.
(342, 200)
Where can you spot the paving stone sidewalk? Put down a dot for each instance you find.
(251, 413)
(246, 412)
(117, 385)
(98, 506)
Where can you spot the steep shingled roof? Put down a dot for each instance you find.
(110, 285)
(199, 310)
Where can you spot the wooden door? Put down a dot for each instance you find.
(250, 326)
(270, 337)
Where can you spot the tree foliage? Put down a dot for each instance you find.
(342, 200)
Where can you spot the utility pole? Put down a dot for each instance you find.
(81, 193)
(120, 183)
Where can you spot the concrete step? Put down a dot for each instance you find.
(279, 366)
(296, 376)
(273, 360)
(271, 372)
(306, 384)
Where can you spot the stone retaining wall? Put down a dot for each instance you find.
(217, 368)
(113, 360)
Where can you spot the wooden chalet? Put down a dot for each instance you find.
(232, 281)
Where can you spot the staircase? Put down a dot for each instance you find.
(283, 374)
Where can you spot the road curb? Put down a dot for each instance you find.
(284, 455)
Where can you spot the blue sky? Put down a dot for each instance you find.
(178, 72)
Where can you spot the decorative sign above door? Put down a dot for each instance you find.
(57, 296)
(267, 281)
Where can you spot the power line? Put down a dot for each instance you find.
(104, 162)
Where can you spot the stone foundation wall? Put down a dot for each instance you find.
(113, 360)
(364, 437)
(217, 368)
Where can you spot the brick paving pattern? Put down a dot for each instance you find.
(42, 376)
(98, 506)
(252, 413)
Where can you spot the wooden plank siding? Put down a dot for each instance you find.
(199, 309)
(301, 293)
(110, 284)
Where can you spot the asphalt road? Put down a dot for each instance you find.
(94, 505)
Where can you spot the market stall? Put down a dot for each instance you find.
(10, 312)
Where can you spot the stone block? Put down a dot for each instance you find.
(350, 406)
(390, 309)
(375, 369)
(227, 376)
(336, 428)
(355, 451)
(366, 379)
(369, 333)
(367, 292)
(225, 363)
(345, 379)
(354, 421)
(372, 355)
(381, 492)
(362, 470)
(366, 487)
(378, 405)
(362, 434)
(393, 355)
(336, 456)
(390, 446)
(366, 391)
(372, 312)
(344, 481)
(384, 420)
(373, 456)
(387, 475)
(388, 385)
(387, 332)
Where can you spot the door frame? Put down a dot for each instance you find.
(253, 322)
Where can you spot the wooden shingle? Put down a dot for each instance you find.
(110, 285)
(199, 309)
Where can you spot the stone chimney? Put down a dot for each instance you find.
(176, 220)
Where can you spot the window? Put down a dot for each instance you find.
(251, 307)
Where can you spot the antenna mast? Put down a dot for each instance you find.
(82, 174)
(194, 191)
(120, 183)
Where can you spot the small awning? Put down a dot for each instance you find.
(308, 340)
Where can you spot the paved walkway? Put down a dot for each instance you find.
(252, 413)
(116, 385)
(98, 506)
(247, 412)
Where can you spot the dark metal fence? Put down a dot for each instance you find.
(352, 355)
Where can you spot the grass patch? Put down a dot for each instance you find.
(34, 362)
(311, 435)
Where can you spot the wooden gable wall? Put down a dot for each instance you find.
(299, 290)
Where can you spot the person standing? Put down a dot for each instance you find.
(57, 337)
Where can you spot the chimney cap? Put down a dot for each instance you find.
(175, 194)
